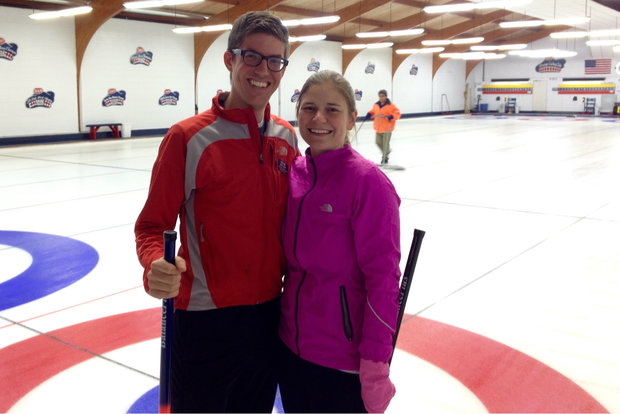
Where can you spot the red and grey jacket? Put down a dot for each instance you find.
(229, 186)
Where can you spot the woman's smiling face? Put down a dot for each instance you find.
(324, 118)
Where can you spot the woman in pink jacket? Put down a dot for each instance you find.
(341, 238)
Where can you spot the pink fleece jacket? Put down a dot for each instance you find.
(341, 238)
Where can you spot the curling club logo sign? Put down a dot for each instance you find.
(358, 95)
(550, 65)
(414, 70)
(370, 68)
(40, 99)
(314, 65)
(169, 97)
(7, 50)
(114, 98)
(295, 96)
(141, 57)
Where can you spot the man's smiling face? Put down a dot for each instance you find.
(253, 85)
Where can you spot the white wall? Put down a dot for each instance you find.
(370, 83)
(45, 59)
(212, 73)
(106, 65)
(449, 86)
(414, 90)
(326, 54)
(516, 67)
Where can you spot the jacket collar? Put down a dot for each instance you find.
(330, 158)
(387, 102)
(239, 115)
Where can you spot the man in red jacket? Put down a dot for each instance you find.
(224, 174)
(385, 114)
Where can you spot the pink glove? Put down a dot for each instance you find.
(377, 389)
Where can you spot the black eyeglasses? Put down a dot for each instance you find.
(252, 58)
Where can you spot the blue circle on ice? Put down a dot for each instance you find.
(149, 402)
(57, 262)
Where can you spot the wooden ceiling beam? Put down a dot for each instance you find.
(302, 13)
(180, 21)
(412, 3)
(454, 30)
(86, 25)
(348, 14)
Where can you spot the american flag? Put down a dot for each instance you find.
(598, 66)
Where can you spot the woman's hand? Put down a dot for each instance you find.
(377, 389)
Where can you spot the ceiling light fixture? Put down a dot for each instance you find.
(420, 51)
(521, 23)
(568, 35)
(467, 40)
(483, 48)
(409, 32)
(372, 34)
(552, 22)
(445, 42)
(568, 21)
(500, 4)
(310, 21)
(354, 46)
(156, 3)
(176, 14)
(436, 42)
(538, 53)
(309, 38)
(603, 42)
(368, 46)
(472, 55)
(381, 45)
(602, 33)
(61, 13)
(212, 28)
(447, 8)
(581, 34)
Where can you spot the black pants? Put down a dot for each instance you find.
(309, 388)
(224, 360)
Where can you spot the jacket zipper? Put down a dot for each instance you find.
(295, 255)
(261, 141)
(274, 172)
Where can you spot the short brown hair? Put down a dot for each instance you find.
(257, 22)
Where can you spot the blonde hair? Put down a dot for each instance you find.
(341, 85)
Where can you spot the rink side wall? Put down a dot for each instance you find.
(141, 75)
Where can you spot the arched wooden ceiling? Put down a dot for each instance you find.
(355, 16)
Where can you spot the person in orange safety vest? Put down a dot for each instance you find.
(385, 114)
